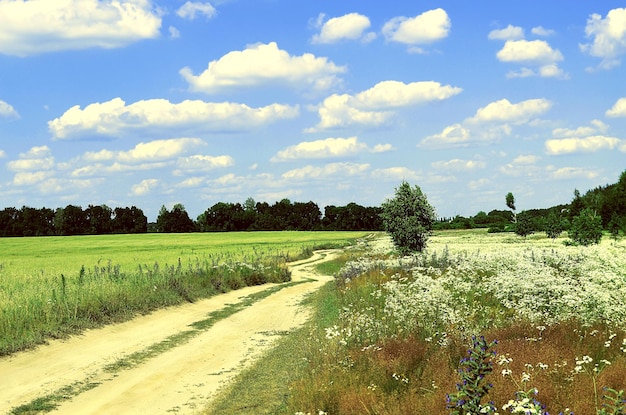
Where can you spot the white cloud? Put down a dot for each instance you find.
(537, 53)
(504, 111)
(7, 110)
(204, 162)
(526, 159)
(174, 33)
(459, 165)
(144, 187)
(490, 123)
(618, 109)
(34, 27)
(372, 107)
(351, 26)
(37, 158)
(541, 31)
(191, 9)
(565, 173)
(608, 37)
(595, 127)
(327, 148)
(582, 145)
(262, 63)
(2, 154)
(508, 33)
(455, 134)
(158, 150)
(529, 51)
(425, 28)
(27, 178)
(114, 118)
(329, 170)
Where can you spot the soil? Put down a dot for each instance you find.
(181, 380)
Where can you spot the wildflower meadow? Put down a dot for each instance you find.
(478, 323)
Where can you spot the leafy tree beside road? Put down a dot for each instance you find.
(409, 218)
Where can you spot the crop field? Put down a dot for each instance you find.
(54, 286)
(479, 323)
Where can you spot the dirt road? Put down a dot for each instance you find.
(83, 375)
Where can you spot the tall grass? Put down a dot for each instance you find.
(401, 328)
(85, 285)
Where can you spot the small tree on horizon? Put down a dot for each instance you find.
(510, 203)
(524, 226)
(554, 228)
(586, 228)
(409, 218)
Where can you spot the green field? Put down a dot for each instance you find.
(54, 286)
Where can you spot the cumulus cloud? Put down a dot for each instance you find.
(504, 111)
(37, 158)
(459, 165)
(535, 53)
(608, 37)
(329, 170)
(426, 28)
(351, 26)
(114, 118)
(508, 33)
(144, 187)
(200, 162)
(327, 148)
(452, 135)
(35, 27)
(373, 107)
(565, 173)
(490, 123)
(261, 64)
(526, 159)
(191, 9)
(7, 110)
(583, 144)
(541, 31)
(585, 139)
(618, 109)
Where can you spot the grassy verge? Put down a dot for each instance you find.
(54, 287)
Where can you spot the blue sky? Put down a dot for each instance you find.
(150, 103)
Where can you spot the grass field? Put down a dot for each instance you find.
(54, 286)
(392, 335)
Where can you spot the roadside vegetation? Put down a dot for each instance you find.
(477, 323)
(56, 286)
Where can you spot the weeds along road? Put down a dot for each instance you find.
(170, 361)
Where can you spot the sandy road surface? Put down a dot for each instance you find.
(180, 380)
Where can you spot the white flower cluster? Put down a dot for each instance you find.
(451, 289)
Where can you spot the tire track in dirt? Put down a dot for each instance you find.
(181, 379)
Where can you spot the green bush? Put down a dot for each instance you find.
(586, 228)
(409, 218)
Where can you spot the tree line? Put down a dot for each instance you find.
(283, 215)
(71, 220)
(221, 217)
(606, 204)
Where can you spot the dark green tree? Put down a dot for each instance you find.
(524, 225)
(553, 228)
(510, 203)
(409, 218)
(586, 228)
